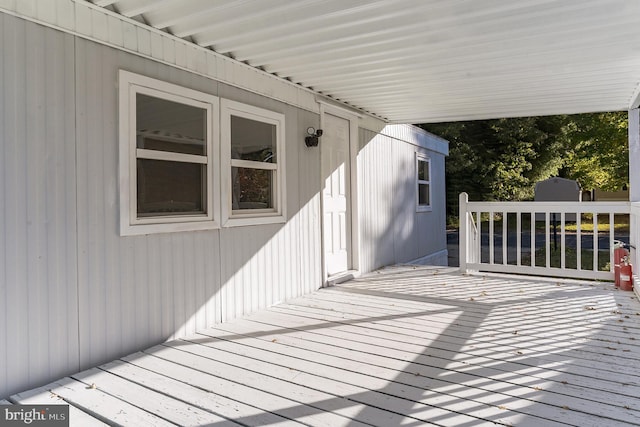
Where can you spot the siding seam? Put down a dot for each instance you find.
(75, 145)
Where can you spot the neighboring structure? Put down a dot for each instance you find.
(557, 190)
(142, 200)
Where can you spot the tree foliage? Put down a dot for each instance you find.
(502, 159)
(598, 150)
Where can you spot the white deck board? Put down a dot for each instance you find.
(193, 395)
(428, 365)
(522, 341)
(337, 382)
(472, 394)
(513, 391)
(263, 400)
(161, 405)
(331, 410)
(402, 346)
(408, 389)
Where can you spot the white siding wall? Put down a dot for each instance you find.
(38, 292)
(391, 229)
(375, 194)
(73, 293)
(139, 290)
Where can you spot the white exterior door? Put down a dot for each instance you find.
(335, 149)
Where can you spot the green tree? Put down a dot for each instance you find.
(597, 150)
(500, 159)
(503, 159)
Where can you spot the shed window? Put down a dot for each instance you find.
(252, 142)
(166, 156)
(423, 186)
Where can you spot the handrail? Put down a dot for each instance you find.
(557, 207)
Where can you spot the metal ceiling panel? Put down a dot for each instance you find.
(425, 60)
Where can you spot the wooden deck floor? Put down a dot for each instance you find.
(405, 346)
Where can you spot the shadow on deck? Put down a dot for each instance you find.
(401, 346)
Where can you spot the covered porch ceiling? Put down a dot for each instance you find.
(419, 61)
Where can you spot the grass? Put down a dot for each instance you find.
(571, 259)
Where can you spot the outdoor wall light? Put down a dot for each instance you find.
(312, 139)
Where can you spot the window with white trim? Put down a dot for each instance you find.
(167, 145)
(253, 149)
(423, 183)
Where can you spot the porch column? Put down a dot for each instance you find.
(634, 193)
(634, 155)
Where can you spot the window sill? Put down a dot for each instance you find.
(175, 227)
(421, 209)
(248, 219)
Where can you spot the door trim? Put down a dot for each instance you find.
(352, 118)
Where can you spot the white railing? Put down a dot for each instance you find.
(560, 239)
(634, 237)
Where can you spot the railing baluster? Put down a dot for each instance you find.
(518, 237)
(611, 239)
(547, 225)
(533, 239)
(595, 242)
(578, 241)
(504, 238)
(491, 254)
(562, 241)
(478, 253)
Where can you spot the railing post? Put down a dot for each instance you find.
(463, 234)
(634, 193)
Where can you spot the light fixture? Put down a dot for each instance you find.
(312, 139)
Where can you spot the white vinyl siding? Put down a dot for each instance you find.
(77, 293)
(392, 229)
(253, 165)
(168, 137)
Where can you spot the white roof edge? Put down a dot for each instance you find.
(194, 58)
(417, 136)
(344, 107)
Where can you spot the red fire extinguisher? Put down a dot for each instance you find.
(619, 253)
(626, 275)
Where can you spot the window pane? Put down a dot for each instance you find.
(170, 187)
(423, 170)
(253, 140)
(170, 126)
(252, 188)
(423, 194)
